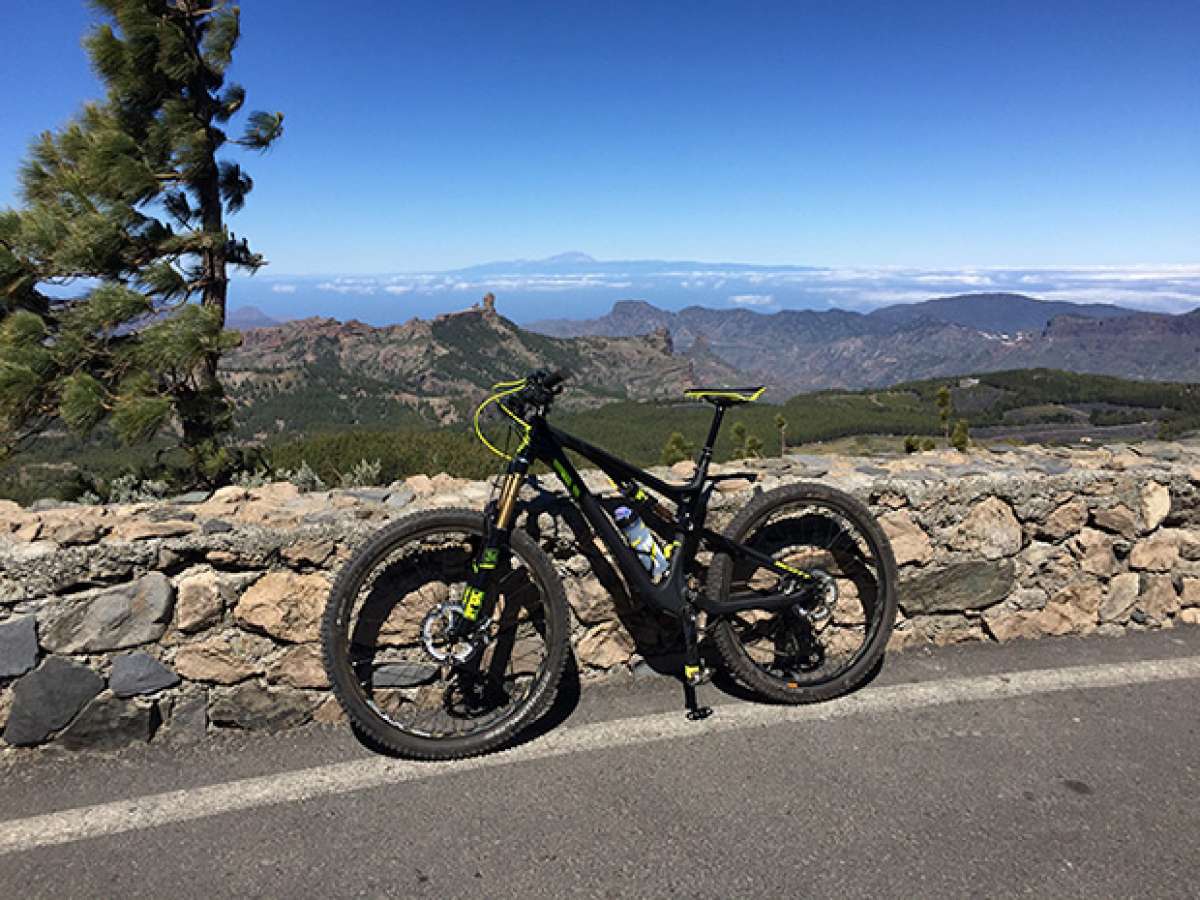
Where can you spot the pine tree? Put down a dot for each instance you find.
(132, 196)
(745, 445)
(677, 449)
(961, 438)
(782, 424)
(945, 405)
(739, 440)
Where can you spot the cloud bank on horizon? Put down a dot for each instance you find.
(576, 286)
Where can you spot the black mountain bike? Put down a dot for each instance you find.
(448, 632)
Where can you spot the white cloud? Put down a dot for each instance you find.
(398, 288)
(759, 300)
(346, 286)
(283, 288)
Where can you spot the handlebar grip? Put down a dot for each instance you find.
(554, 379)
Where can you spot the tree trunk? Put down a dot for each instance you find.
(204, 415)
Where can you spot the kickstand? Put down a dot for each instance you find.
(694, 672)
(695, 712)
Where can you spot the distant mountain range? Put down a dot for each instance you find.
(578, 285)
(320, 373)
(797, 350)
(243, 318)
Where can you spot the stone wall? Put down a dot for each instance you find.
(125, 623)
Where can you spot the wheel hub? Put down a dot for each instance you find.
(440, 641)
(825, 593)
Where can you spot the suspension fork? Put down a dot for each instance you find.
(478, 596)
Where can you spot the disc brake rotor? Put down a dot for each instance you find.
(436, 636)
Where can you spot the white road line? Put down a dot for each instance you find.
(289, 787)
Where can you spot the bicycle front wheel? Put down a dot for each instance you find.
(834, 647)
(396, 675)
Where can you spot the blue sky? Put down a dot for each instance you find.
(427, 136)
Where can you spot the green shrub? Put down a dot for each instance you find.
(364, 474)
(960, 439)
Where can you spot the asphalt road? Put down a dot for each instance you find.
(1060, 768)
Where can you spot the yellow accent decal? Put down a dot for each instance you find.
(793, 571)
(733, 395)
(472, 603)
(566, 478)
(691, 671)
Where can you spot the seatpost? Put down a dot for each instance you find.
(706, 453)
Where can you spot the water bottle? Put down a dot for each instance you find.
(642, 539)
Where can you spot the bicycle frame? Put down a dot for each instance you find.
(550, 445)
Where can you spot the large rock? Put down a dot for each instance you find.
(960, 587)
(404, 675)
(1007, 625)
(1051, 561)
(18, 646)
(285, 605)
(990, 529)
(109, 722)
(73, 527)
(1064, 618)
(142, 529)
(1155, 504)
(308, 552)
(200, 601)
(1058, 618)
(937, 630)
(139, 673)
(215, 660)
(330, 712)
(1085, 596)
(1157, 553)
(275, 492)
(1158, 599)
(113, 619)
(604, 646)
(48, 698)
(1121, 595)
(420, 485)
(188, 722)
(910, 543)
(1065, 521)
(252, 705)
(591, 602)
(299, 667)
(1191, 592)
(1119, 519)
(1094, 549)
(1189, 544)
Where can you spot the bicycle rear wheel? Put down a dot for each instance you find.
(807, 658)
(390, 664)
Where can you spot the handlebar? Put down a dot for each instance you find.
(541, 387)
(552, 381)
